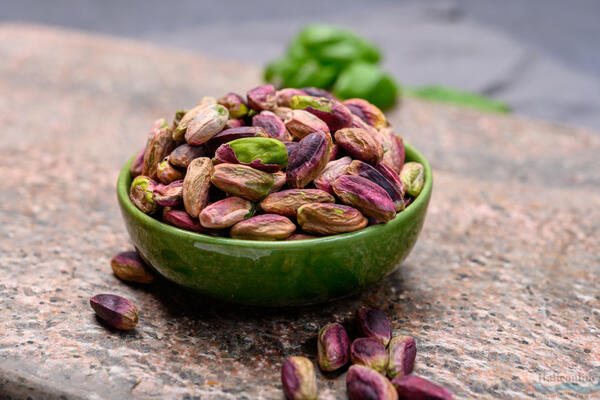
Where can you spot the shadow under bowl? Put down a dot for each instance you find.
(282, 273)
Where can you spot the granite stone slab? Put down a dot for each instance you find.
(501, 292)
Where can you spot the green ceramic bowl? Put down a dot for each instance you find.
(276, 273)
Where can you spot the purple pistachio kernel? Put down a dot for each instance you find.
(391, 175)
(308, 159)
(359, 144)
(116, 311)
(229, 135)
(402, 351)
(226, 213)
(262, 98)
(263, 227)
(333, 347)
(365, 383)
(183, 155)
(332, 171)
(393, 148)
(370, 353)
(334, 113)
(414, 387)
(235, 104)
(298, 379)
(287, 202)
(290, 146)
(366, 111)
(182, 219)
(272, 124)
(170, 195)
(284, 96)
(374, 323)
(365, 195)
(302, 123)
(329, 219)
(129, 266)
(365, 170)
(334, 152)
(242, 180)
(159, 146)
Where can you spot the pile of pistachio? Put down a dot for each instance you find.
(278, 165)
(381, 364)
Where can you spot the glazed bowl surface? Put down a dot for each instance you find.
(281, 273)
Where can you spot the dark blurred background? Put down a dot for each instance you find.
(542, 57)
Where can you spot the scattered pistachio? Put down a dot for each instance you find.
(417, 388)
(116, 311)
(333, 347)
(370, 353)
(366, 383)
(402, 351)
(374, 323)
(298, 379)
(129, 266)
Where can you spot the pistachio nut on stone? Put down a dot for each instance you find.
(287, 202)
(366, 111)
(262, 98)
(115, 311)
(181, 219)
(413, 177)
(242, 180)
(129, 266)
(141, 194)
(330, 219)
(265, 154)
(302, 123)
(167, 173)
(333, 170)
(170, 195)
(368, 197)
(284, 96)
(235, 104)
(157, 149)
(137, 164)
(308, 160)
(226, 213)
(335, 114)
(333, 347)
(278, 181)
(272, 124)
(393, 149)
(359, 144)
(189, 116)
(209, 121)
(415, 387)
(263, 227)
(393, 189)
(370, 353)
(366, 383)
(183, 155)
(196, 185)
(231, 134)
(402, 351)
(374, 323)
(298, 379)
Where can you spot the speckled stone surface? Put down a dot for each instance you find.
(501, 292)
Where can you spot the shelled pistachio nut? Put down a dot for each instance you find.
(302, 123)
(170, 195)
(284, 96)
(167, 173)
(129, 266)
(235, 104)
(393, 149)
(141, 194)
(116, 311)
(415, 387)
(263, 227)
(298, 379)
(359, 144)
(333, 170)
(333, 347)
(272, 124)
(183, 154)
(402, 351)
(231, 134)
(329, 219)
(366, 196)
(370, 353)
(288, 201)
(265, 154)
(226, 213)
(196, 185)
(181, 219)
(393, 189)
(262, 98)
(413, 177)
(138, 163)
(335, 114)
(374, 323)
(366, 111)
(308, 159)
(278, 181)
(189, 116)
(209, 121)
(157, 149)
(242, 180)
(366, 383)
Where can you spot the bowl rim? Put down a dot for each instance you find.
(124, 181)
